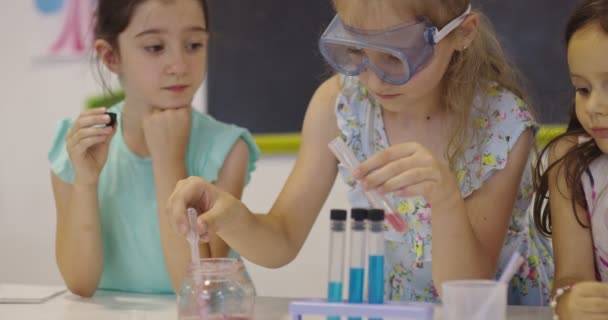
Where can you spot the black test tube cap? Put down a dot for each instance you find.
(358, 214)
(375, 215)
(338, 215)
(112, 122)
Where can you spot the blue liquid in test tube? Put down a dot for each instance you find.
(375, 242)
(334, 291)
(356, 285)
(336, 257)
(376, 274)
(357, 257)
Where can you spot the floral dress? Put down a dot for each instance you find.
(595, 184)
(408, 255)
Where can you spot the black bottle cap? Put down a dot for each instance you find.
(358, 214)
(112, 122)
(375, 215)
(338, 214)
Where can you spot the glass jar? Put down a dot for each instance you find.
(218, 289)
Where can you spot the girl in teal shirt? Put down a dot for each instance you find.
(111, 182)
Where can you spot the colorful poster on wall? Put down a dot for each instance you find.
(64, 30)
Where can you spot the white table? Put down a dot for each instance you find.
(120, 306)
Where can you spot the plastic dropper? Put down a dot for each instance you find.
(193, 238)
(379, 201)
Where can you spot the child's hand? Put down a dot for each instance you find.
(87, 143)
(407, 169)
(167, 133)
(218, 209)
(587, 300)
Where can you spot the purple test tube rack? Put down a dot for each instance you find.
(320, 307)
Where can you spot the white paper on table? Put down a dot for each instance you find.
(20, 293)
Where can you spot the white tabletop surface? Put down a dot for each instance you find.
(120, 306)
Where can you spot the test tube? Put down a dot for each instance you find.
(357, 256)
(336, 257)
(348, 159)
(375, 251)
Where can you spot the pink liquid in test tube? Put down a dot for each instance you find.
(346, 156)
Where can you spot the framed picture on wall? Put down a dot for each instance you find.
(63, 30)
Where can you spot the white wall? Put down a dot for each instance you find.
(306, 276)
(34, 97)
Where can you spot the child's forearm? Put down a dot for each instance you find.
(457, 251)
(79, 248)
(273, 247)
(175, 247)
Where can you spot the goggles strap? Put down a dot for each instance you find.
(438, 35)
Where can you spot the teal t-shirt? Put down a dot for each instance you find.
(133, 257)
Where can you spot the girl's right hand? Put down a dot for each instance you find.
(87, 143)
(218, 210)
(587, 300)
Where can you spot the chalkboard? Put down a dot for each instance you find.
(264, 63)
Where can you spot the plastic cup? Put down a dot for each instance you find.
(462, 299)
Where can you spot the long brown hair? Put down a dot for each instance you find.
(576, 161)
(482, 65)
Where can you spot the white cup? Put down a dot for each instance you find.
(463, 299)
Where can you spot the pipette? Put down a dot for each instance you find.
(193, 238)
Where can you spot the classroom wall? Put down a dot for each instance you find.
(34, 97)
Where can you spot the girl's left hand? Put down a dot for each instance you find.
(167, 133)
(407, 169)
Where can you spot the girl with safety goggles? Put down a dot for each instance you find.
(429, 104)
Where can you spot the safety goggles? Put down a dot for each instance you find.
(395, 55)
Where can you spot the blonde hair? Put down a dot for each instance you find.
(480, 67)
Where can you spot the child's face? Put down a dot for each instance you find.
(163, 53)
(423, 83)
(588, 63)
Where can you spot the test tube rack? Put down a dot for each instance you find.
(400, 310)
